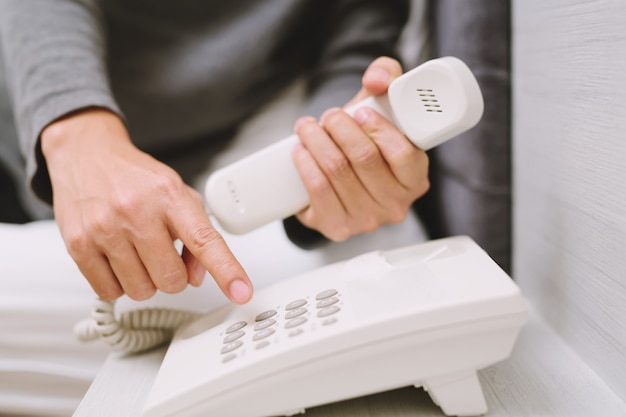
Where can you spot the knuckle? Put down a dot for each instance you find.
(338, 231)
(106, 290)
(338, 235)
(108, 293)
(319, 185)
(169, 186)
(420, 187)
(337, 167)
(397, 212)
(203, 237)
(173, 282)
(369, 223)
(77, 244)
(102, 222)
(142, 293)
(367, 157)
(408, 155)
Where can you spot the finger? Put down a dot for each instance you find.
(377, 78)
(190, 223)
(408, 163)
(101, 277)
(364, 155)
(130, 271)
(91, 262)
(162, 262)
(323, 199)
(195, 270)
(334, 166)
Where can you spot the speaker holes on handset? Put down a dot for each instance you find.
(429, 100)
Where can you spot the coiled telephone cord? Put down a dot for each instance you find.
(134, 331)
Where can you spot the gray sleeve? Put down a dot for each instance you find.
(356, 33)
(54, 59)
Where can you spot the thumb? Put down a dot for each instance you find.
(377, 78)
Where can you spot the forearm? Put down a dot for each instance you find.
(54, 53)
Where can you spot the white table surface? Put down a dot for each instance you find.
(543, 377)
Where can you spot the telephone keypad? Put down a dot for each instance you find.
(228, 357)
(327, 302)
(266, 315)
(295, 332)
(264, 324)
(327, 311)
(229, 347)
(263, 334)
(234, 336)
(325, 305)
(326, 294)
(263, 344)
(329, 321)
(237, 326)
(295, 322)
(295, 313)
(296, 304)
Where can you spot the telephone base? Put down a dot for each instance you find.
(428, 315)
(458, 394)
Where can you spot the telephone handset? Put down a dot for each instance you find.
(430, 104)
(429, 315)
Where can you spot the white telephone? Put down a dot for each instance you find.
(428, 315)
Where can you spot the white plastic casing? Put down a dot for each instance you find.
(429, 315)
(430, 104)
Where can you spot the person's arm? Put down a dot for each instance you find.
(118, 209)
(54, 54)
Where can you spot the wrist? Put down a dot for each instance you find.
(83, 127)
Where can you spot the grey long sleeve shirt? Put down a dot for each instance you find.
(178, 72)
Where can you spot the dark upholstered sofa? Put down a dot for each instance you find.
(471, 175)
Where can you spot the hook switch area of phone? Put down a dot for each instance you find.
(429, 315)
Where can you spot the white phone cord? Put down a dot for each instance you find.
(135, 331)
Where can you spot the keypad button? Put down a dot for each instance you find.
(327, 302)
(295, 332)
(326, 294)
(295, 313)
(237, 326)
(329, 320)
(228, 357)
(234, 336)
(231, 346)
(265, 315)
(264, 324)
(295, 304)
(262, 334)
(295, 322)
(328, 311)
(263, 344)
